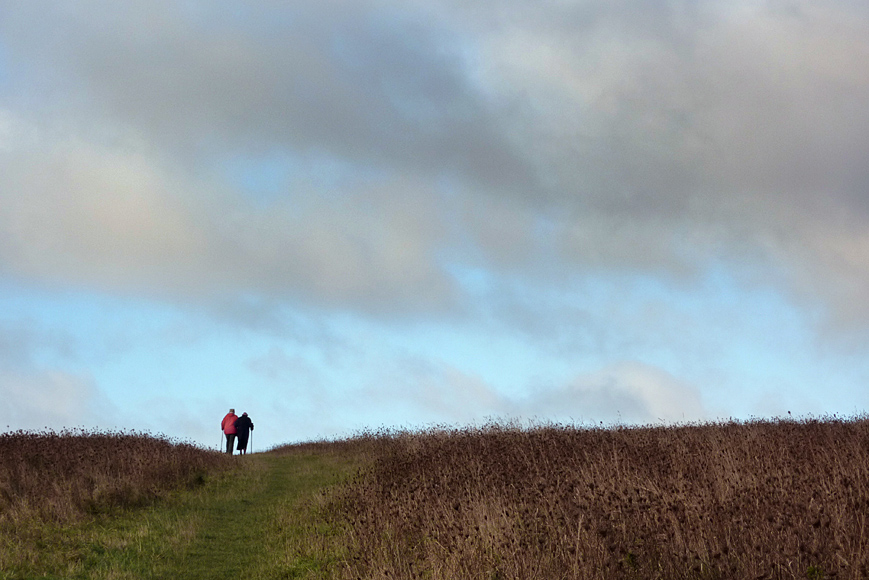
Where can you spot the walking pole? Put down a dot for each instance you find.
(251, 440)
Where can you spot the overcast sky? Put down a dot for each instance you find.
(350, 214)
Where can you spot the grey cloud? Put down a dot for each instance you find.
(362, 82)
(590, 136)
(83, 214)
(378, 245)
(739, 143)
(121, 221)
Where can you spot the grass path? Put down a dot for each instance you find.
(255, 524)
(259, 522)
(231, 535)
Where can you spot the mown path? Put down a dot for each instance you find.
(256, 524)
(259, 522)
(232, 533)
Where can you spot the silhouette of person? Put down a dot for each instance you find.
(243, 427)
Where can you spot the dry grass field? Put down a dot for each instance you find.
(737, 500)
(63, 477)
(756, 500)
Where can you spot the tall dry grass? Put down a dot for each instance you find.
(65, 476)
(757, 500)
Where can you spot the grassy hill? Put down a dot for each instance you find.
(782, 499)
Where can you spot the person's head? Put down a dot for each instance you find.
(244, 414)
(232, 410)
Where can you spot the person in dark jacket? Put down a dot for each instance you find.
(243, 427)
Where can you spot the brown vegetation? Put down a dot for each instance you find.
(783, 499)
(65, 476)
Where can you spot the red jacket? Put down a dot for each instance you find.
(228, 423)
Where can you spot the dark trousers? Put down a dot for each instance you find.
(242, 440)
(230, 439)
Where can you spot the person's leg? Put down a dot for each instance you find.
(230, 440)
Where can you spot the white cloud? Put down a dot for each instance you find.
(38, 394)
(52, 398)
(632, 392)
(424, 391)
(414, 390)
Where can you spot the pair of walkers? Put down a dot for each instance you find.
(234, 427)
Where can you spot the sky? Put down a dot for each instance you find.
(356, 214)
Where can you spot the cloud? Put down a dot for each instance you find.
(631, 392)
(50, 398)
(413, 390)
(361, 81)
(279, 367)
(397, 388)
(37, 394)
(121, 221)
(664, 139)
(674, 137)
(23, 341)
(709, 135)
(419, 390)
(77, 212)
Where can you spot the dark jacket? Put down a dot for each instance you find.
(243, 425)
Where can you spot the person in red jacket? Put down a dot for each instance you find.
(228, 427)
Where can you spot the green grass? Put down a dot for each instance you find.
(260, 521)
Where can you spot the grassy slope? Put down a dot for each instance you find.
(252, 523)
(781, 500)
